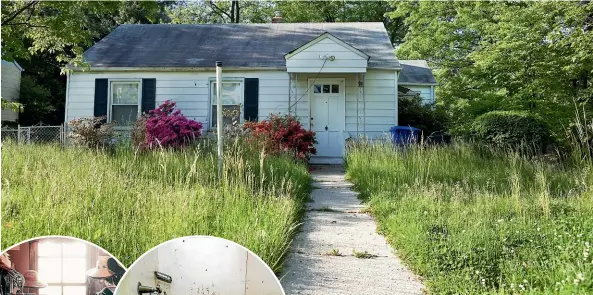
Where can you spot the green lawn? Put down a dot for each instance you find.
(129, 202)
(477, 223)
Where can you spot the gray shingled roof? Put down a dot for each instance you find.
(237, 45)
(416, 72)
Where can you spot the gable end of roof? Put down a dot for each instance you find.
(324, 36)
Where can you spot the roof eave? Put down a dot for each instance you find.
(171, 69)
(417, 84)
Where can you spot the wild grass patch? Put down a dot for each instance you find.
(129, 202)
(473, 223)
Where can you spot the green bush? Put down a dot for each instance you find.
(413, 112)
(511, 129)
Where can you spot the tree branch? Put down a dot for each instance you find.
(27, 24)
(18, 12)
(220, 11)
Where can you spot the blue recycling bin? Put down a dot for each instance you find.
(404, 134)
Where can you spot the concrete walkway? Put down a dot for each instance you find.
(333, 222)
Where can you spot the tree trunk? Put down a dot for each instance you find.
(237, 14)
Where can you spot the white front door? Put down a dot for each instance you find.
(328, 116)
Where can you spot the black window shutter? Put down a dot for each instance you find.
(148, 94)
(101, 89)
(251, 96)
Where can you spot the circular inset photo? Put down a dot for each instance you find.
(58, 265)
(199, 265)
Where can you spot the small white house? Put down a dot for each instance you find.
(339, 79)
(10, 87)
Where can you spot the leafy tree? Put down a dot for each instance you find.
(532, 56)
(45, 36)
(345, 11)
(37, 102)
(201, 12)
(65, 28)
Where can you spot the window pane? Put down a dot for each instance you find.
(124, 93)
(335, 88)
(49, 248)
(231, 93)
(326, 88)
(230, 115)
(74, 270)
(74, 290)
(75, 249)
(316, 88)
(50, 269)
(51, 290)
(124, 114)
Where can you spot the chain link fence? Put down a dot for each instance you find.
(34, 134)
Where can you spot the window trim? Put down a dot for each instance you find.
(110, 97)
(86, 258)
(211, 82)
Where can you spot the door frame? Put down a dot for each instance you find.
(341, 81)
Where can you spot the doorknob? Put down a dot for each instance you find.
(325, 128)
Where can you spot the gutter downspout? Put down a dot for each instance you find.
(364, 107)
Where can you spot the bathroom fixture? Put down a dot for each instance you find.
(148, 289)
(163, 277)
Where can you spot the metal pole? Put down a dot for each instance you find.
(18, 133)
(219, 128)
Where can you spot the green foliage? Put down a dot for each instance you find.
(413, 112)
(64, 28)
(532, 56)
(344, 11)
(475, 224)
(129, 202)
(511, 129)
(36, 100)
(362, 254)
(11, 105)
(204, 12)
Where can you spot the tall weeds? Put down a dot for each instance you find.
(128, 201)
(475, 222)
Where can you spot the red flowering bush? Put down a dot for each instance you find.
(166, 127)
(283, 134)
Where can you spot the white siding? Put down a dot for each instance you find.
(189, 89)
(308, 60)
(380, 98)
(426, 92)
(10, 88)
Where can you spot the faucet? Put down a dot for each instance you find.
(147, 289)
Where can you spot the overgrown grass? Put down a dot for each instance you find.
(129, 202)
(477, 223)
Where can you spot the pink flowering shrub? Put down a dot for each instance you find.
(283, 134)
(167, 127)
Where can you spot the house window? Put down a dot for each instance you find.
(326, 88)
(232, 102)
(125, 102)
(62, 264)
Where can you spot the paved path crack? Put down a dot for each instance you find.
(334, 222)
